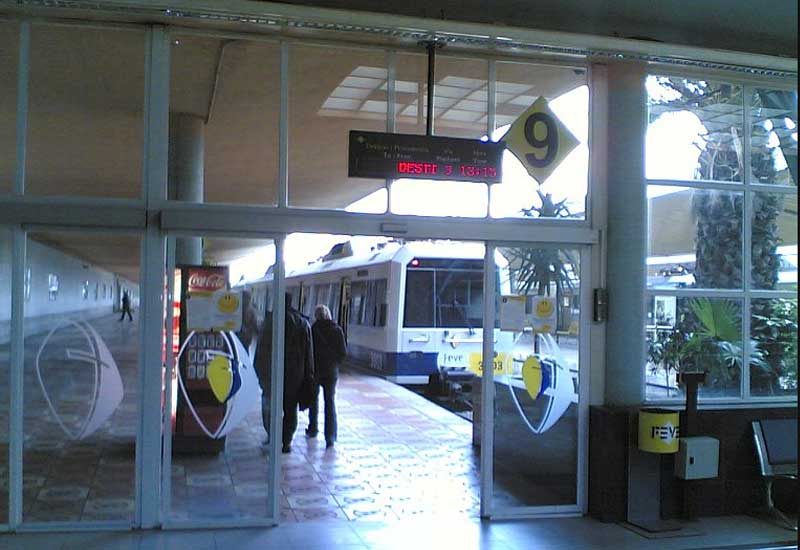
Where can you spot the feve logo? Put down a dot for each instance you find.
(668, 432)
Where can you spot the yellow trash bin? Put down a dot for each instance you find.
(658, 430)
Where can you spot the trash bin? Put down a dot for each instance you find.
(658, 430)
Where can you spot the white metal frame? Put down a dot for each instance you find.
(745, 294)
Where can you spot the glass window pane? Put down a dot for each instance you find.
(563, 193)
(81, 377)
(694, 238)
(460, 110)
(695, 130)
(774, 241)
(219, 415)
(8, 105)
(5, 352)
(85, 119)
(773, 352)
(774, 136)
(460, 103)
(693, 334)
(347, 92)
(224, 111)
(466, 199)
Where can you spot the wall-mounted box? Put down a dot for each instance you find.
(697, 458)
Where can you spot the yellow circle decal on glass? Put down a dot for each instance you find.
(228, 303)
(532, 376)
(220, 377)
(544, 308)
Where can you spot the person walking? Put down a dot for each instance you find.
(297, 367)
(126, 306)
(330, 349)
(248, 334)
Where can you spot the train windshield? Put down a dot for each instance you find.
(444, 293)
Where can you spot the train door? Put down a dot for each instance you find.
(343, 316)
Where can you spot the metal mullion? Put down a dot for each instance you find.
(74, 526)
(699, 184)
(262, 219)
(85, 24)
(97, 213)
(16, 378)
(747, 242)
(772, 294)
(283, 129)
(391, 111)
(584, 376)
(696, 293)
(491, 119)
(176, 30)
(149, 437)
(487, 383)
(166, 423)
(23, 79)
(772, 188)
(276, 375)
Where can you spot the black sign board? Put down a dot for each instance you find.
(394, 156)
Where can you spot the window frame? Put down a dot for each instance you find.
(748, 186)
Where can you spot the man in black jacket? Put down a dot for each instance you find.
(297, 367)
(330, 350)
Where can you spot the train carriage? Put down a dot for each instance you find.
(409, 310)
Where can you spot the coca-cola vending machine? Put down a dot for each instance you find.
(195, 398)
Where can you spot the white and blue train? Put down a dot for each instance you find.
(409, 310)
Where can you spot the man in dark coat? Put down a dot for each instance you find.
(126, 306)
(297, 367)
(330, 350)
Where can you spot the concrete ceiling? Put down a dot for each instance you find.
(738, 25)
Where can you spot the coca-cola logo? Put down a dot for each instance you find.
(206, 281)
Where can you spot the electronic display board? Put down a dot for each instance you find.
(395, 156)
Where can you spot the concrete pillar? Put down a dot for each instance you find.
(186, 175)
(626, 236)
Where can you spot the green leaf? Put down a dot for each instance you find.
(719, 319)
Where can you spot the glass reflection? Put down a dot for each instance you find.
(80, 379)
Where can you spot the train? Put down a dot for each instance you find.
(410, 310)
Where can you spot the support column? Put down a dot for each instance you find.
(186, 175)
(626, 277)
(626, 235)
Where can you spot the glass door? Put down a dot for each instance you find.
(219, 460)
(538, 406)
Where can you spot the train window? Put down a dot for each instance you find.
(419, 310)
(459, 295)
(368, 299)
(449, 296)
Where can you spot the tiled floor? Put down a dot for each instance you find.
(397, 456)
(440, 533)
